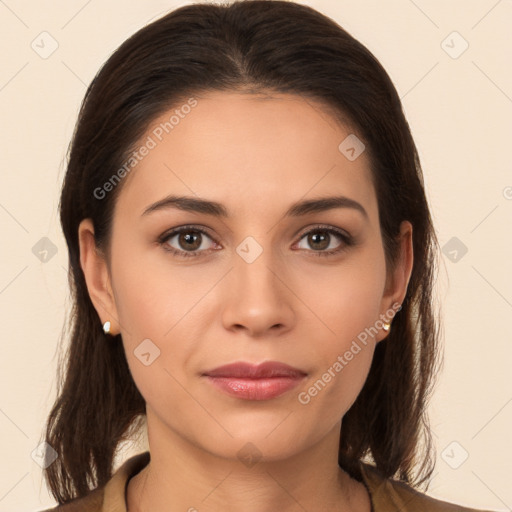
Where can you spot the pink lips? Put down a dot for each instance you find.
(255, 382)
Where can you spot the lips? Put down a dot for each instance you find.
(255, 382)
(243, 370)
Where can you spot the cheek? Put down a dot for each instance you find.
(342, 358)
(344, 299)
(159, 308)
(153, 294)
(346, 304)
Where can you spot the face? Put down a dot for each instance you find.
(306, 288)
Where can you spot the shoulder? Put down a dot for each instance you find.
(391, 495)
(92, 502)
(111, 496)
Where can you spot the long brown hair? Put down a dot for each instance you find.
(248, 46)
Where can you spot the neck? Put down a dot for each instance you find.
(183, 477)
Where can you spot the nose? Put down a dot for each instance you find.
(258, 300)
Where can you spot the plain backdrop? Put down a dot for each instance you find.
(450, 62)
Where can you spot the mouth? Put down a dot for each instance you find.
(255, 382)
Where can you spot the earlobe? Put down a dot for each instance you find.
(94, 267)
(399, 280)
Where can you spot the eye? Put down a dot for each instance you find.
(321, 237)
(189, 240)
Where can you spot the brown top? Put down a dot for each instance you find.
(386, 495)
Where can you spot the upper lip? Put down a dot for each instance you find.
(255, 371)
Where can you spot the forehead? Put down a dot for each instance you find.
(244, 150)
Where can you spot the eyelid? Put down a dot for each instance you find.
(326, 227)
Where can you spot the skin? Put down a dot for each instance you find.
(256, 155)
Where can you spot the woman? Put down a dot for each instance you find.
(251, 259)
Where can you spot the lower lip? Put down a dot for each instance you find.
(255, 389)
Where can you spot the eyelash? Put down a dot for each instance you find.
(165, 237)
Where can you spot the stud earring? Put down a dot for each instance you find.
(386, 326)
(106, 327)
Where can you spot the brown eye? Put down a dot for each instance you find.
(319, 240)
(189, 241)
(322, 238)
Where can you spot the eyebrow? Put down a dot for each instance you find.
(195, 204)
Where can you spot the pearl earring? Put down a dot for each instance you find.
(106, 327)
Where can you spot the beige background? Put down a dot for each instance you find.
(459, 110)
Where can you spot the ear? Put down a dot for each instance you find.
(398, 280)
(97, 277)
